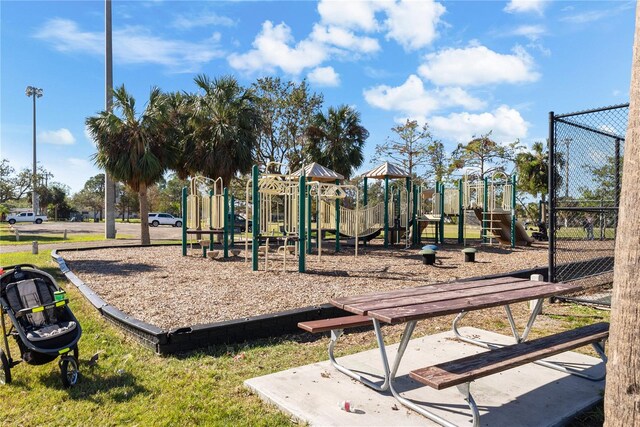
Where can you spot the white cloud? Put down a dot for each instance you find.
(344, 39)
(413, 23)
(532, 32)
(413, 99)
(184, 22)
(478, 65)
(410, 23)
(357, 15)
(61, 136)
(271, 50)
(517, 6)
(131, 45)
(506, 123)
(324, 76)
(586, 17)
(66, 36)
(612, 9)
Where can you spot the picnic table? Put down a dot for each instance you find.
(408, 306)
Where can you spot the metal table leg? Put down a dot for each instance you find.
(406, 337)
(335, 334)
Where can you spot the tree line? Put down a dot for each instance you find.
(221, 129)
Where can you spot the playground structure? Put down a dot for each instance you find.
(289, 209)
(205, 211)
(491, 200)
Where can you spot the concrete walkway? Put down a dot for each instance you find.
(530, 395)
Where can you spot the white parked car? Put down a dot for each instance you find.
(156, 219)
(26, 217)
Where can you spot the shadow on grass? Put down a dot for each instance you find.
(111, 268)
(96, 385)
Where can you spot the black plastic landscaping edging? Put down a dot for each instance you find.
(228, 332)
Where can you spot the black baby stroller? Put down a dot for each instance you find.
(41, 322)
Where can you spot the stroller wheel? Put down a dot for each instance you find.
(5, 373)
(69, 371)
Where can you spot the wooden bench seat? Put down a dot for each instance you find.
(480, 365)
(336, 323)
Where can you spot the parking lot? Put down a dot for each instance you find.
(163, 232)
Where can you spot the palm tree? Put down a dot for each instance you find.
(336, 140)
(134, 149)
(180, 107)
(224, 129)
(533, 170)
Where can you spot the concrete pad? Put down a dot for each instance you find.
(529, 395)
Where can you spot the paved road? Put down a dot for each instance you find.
(132, 230)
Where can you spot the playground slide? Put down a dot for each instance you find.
(503, 234)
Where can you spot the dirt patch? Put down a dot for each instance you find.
(160, 286)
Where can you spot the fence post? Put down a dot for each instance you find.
(551, 172)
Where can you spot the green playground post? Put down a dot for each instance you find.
(408, 185)
(386, 211)
(416, 227)
(255, 223)
(184, 221)
(232, 215)
(460, 213)
(441, 212)
(225, 244)
(301, 221)
(210, 219)
(513, 210)
(485, 203)
(337, 221)
(308, 212)
(365, 200)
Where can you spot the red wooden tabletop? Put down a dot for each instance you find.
(449, 298)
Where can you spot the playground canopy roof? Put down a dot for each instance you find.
(318, 173)
(386, 170)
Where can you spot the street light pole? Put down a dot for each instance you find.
(109, 185)
(34, 92)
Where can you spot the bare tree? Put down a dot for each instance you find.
(412, 147)
(622, 395)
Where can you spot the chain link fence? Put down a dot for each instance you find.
(586, 153)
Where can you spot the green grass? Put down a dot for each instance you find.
(132, 386)
(580, 315)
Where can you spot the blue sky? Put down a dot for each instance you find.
(465, 67)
